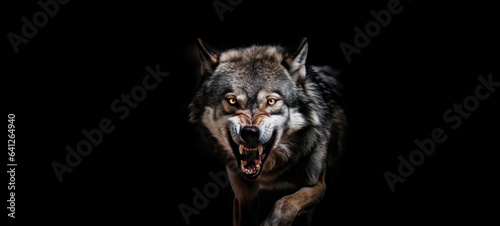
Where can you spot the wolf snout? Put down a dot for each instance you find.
(250, 134)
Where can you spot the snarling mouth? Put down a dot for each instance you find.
(251, 158)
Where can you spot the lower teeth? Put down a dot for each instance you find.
(250, 169)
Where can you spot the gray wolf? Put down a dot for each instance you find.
(275, 122)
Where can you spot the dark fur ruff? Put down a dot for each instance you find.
(310, 120)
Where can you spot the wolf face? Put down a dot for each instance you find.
(251, 104)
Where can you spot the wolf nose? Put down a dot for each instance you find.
(250, 135)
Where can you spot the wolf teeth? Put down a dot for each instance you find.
(251, 169)
(241, 149)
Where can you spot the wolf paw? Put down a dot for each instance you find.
(283, 213)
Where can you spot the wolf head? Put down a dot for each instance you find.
(252, 101)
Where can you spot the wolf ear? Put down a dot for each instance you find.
(208, 58)
(294, 61)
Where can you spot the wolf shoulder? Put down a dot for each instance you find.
(323, 80)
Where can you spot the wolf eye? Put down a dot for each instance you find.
(232, 101)
(271, 101)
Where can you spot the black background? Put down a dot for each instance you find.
(397, 89)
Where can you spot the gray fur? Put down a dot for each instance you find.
(305, 118)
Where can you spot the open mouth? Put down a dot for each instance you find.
(251, 158)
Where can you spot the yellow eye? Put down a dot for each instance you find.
(232, 101)
(271, 101)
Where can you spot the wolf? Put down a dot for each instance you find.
(274, 121)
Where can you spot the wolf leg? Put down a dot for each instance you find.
(245, 213)
(287, 208)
